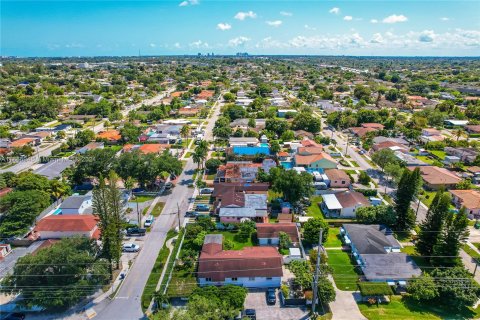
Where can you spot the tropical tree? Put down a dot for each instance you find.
(58, 189)
(459, 133)
(185, 132)
(406, 192)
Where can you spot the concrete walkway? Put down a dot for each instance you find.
(345, 306)
(469, 262)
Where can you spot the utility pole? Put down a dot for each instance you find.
(178, 215)
(317, 273)
(346, 147)
(138, 214)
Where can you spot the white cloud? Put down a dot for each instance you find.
(224, 26)
(309, 27)
(243, 15)
(153, 45)
(427, 36)
(348, 18)
(395, 18)
(374, 21)
(445, 19)
(176, 45)
(238, 41)
(199, 44)
(276, 23)
(377, 38)
(334, 10)
(286, 13)
(188, 3)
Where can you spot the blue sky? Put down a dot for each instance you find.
(381, 27)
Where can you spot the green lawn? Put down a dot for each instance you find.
(210, 176)
(314, 209)
(472, 253)
(406, 309)
(182, 283)
(354, 163)
(188, 155)
(157, 210)
(427, 197)
(233, 236)
(421, 262)
(152, 281)
(438, 153)
(333, 240)
(425, 159)
(141, 199)
(344, 272)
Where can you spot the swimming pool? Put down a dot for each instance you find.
(57, 212)
(264, 145)
(287, 165)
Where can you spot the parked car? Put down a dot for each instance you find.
(271, 297)
(250, 314)
(206, 191)
(136, 231)
(130, 247)
(202, 207)
(149, 221)
(192, 214)
(168, 186)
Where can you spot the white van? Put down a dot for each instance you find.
(149, 221)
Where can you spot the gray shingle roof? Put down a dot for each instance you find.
(390, 266)
(73, 202)
(370, 239)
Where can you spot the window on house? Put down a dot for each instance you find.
(234, 279)
(208, 279)
(269, 278)
(343, 182)
(251, 278)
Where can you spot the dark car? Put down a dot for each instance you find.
(271, 297)
(191, 214)
(202, 207)
(250, 314)
(136, 231)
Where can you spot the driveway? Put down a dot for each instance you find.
(345, 306)
(257, 301)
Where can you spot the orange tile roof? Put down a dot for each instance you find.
(67, 223)
(176, 94)
(111, 135)
(21, 142)
(469, 199)
(152, 148)
(205, 94)
(307, 160)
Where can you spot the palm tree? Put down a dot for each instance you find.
(185, 132)
(197, 158)
(460, 133)
(58, 189)
(129, 183)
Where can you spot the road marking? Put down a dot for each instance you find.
(90, 313)
(122, 298)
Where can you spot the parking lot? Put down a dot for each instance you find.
(257, 300)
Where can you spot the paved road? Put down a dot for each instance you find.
(126, 305)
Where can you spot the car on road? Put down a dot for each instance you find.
(202, 207)
(271, 297)
(250, 314)
(149, 221)
(130, 247)
(168, 186)
(136, 231)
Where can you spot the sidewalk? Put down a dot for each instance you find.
(469, 262)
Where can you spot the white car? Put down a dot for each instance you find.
(130, 247)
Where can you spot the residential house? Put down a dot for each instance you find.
(338, 178)
(392, 145)
(146, 148)
(111, 136)
(474, 174)
(343, 204)
(91, 146)
(281, 113)
(22, 142)
(377, 252)
(435, 178)
(455, 123)
(242, 206)
(467, 155)
(243, 141)
(431, 135)
(251, 267)
(408, 159)
(250, 152)
(237, 171)
(469, 199)
(188, 111)
(268, 233)
(303, 134)
(365, 128)
(380, 139)
(67, 226)
(54, 168)
(75, 205)
(314, 158)
(473, 128)
(205, 95)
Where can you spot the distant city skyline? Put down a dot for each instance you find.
(125, 28)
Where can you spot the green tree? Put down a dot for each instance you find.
(185, 132)
(362, 93)
(130, 133)
(422, 288)
(394, 171)
(291, 184)
(311, 230)
(229, 97)
(326, 291)
(306, 121)
(456, 287)
(274, 146)
(284, 240)
(406, 192)
(384, 157)
(364, 178)
(381, 214)
(246, 228)
(84, 137)
(93, 163)
(212, 165)
(62, 275)
(431, 227)
(465, 184)
(107, 206)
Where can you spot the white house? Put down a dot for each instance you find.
(343, 204)
(77, 205)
